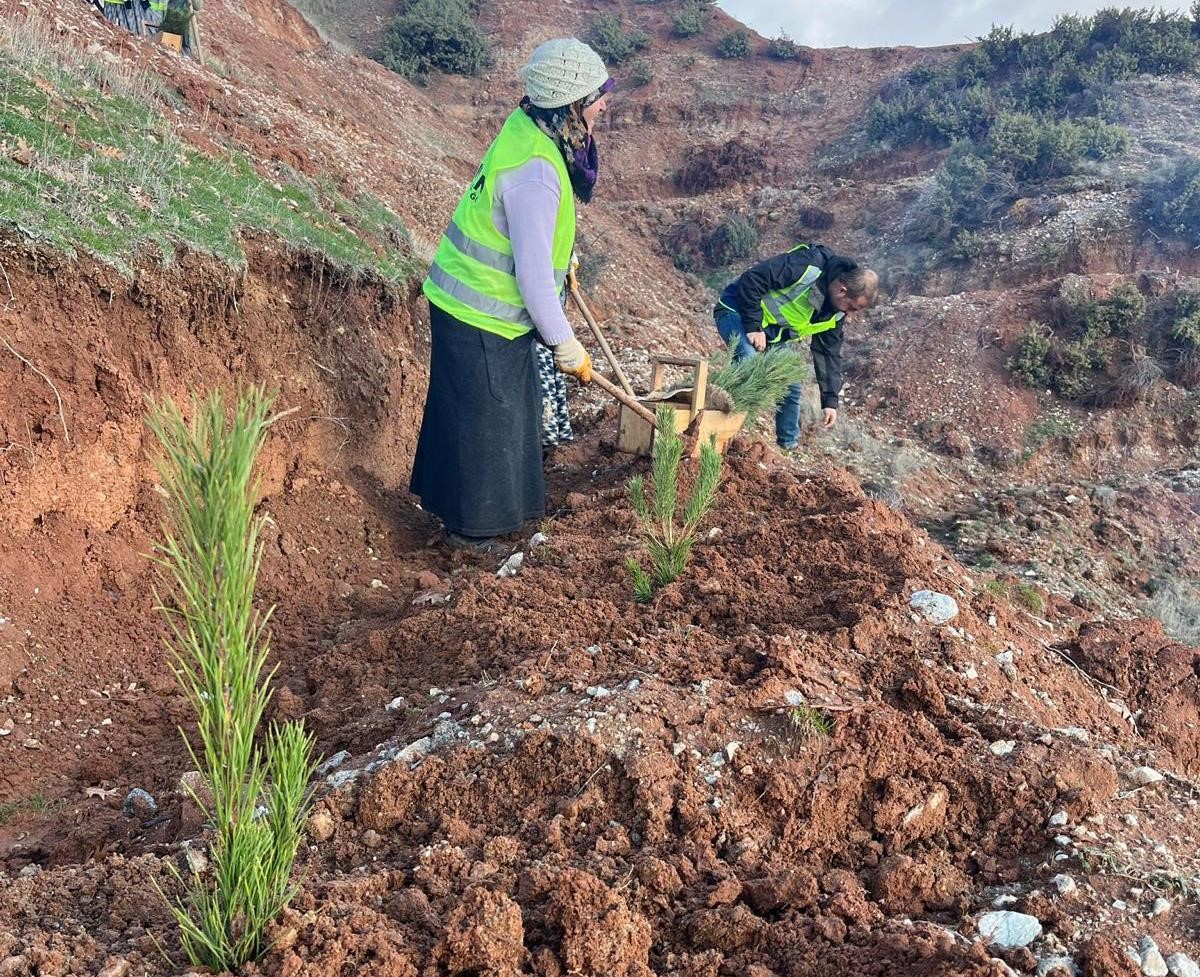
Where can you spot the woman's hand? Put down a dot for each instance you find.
(572, 359)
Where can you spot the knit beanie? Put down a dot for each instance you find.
(562, 71)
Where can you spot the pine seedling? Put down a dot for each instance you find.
(208, 560)
(668, 534)
(758, 383)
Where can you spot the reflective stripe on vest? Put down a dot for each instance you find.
(473, 277)
(788, 312)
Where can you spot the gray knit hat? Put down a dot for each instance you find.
(562, 71)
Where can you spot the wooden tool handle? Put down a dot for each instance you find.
(610, 388)
(594, 326)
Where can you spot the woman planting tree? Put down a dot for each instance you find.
(494, 288)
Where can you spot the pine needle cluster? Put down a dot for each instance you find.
(669, 534)
(209, 560)
(758, 383)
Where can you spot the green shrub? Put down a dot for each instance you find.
(1186, 325)
(640, 73)
(209, 560)
(1119, 314)
(614, 42)
(435, 35)
(1072, 377)
(783, 48)
(1029, 597)
(735, 44)
(1030, 363)
(1170, 198)
(691, 20)
(732, 241)
(670, 535)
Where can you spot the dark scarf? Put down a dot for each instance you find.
(566, 127)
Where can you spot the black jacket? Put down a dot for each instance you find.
(744, 296)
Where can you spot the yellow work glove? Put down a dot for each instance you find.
(572, 359)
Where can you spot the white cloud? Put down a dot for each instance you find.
(886, 23)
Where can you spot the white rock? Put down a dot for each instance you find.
(634, 684)
(1003, 747)
(512, 566)
(1065, 884)
(731, 749)
(1120, 904)
(1160, 906)
(934, 607)
(677, 749)
(396, 704)
(793, 698)
(1181, 965)
(1153, 964)
(333, 762)
(538, 539)
(341, 778)
(1071, 499)
(1145, 775)
(1051, 964)
(1058, 819)
(1008, 929)
(1005, 900)
(598, 692)
(1064, 840)
(414, 751)
(1075, 733)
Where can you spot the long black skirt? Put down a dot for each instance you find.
(478, 465)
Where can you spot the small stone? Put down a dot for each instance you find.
(1160, 906)
(1064, 884)
(1003, 747)
(139, 804)
(1131, 820)
(598, 692)
(1145, 775)
(414, 751)
(634, 684)
(193, 861)
(1181, 965)
(115, 968)
(396, 704)
(677, 749)
(372, 838)
(1064, 840)
(1008, 929)
(1077, 733)
(538, 539)
(934, 607)
(320, 826)
(1058, 819)
(332, 763)
(1153, 964)
(535, 718)
(1001, 901)
(731, 749)
(32, 744)
(512, 566)
(1120, 904)
(29, 871)
(1057, 967)
(341, 778)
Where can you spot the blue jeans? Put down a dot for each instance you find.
(787, 414)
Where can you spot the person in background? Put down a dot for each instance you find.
(124, 13)
(807, 291)
(494, 290)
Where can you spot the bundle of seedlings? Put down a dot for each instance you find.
(756, 383)
(669, 535)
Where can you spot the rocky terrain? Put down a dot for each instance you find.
(903, 715)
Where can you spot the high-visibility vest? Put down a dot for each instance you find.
(788, 312)
(158, 6)
(474, 276)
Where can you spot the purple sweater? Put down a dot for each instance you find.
(526, 212)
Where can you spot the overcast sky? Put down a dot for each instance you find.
(887, 23)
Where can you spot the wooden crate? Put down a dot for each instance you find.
(172, 41)
(636, 436)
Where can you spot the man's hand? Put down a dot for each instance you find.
(572, 359)
(758, 340)
(830, 418)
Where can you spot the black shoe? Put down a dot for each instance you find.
(484, 545)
